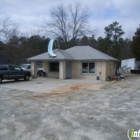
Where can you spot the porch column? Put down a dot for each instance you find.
(45, 67)
(34, 69)
(62, 70)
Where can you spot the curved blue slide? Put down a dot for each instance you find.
(50, 47)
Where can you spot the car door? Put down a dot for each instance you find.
(4, 70)
(18, 72)
(12, 74)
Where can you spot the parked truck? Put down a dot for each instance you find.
(27, 67)
(8, 72)
(131, 65)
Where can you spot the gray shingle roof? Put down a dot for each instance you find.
(60, 55)
(88, 53)
(81, 53)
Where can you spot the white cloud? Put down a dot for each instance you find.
(128, 7)
(30, 13)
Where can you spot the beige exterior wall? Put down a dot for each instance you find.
(48, 73)
(103, 70)
(53, 75)
(62, 70)
(88, 77)
(111, 67)
(77, 71)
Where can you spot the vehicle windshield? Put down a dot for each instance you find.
(23, 66)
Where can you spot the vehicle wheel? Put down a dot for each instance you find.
(0, 80)
(27, 77)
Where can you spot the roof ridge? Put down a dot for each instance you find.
(59, 50)
(65, 52)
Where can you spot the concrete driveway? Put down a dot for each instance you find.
(47, 85)
(83, 114)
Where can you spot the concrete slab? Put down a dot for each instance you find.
(47, 85)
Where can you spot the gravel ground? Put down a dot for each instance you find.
(105, 114)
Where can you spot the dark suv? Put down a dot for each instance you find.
(13, 72)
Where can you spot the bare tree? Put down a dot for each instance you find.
(4, 23)
(8, 28)
(67, 22)
(79, 22)
(59, 23)
(10, 32)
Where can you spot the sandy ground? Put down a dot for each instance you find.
(80, 114)
(47, 85)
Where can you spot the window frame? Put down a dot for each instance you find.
(50, 68)
(88, 73)
(11, 68)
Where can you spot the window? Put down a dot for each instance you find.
(54, 66)
(14, 68)
(25, 66)
(91, 67)
(3, 68)
(88, 67)
(84, 67)
(17, 68)
(29, 67)
(11, 68)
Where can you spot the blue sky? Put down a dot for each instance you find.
(29, 14)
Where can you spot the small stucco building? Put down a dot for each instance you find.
(75, 62)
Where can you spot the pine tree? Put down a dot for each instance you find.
(135, 44)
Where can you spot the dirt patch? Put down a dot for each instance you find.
(63, 90)
(69, 88)
(96, 87)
